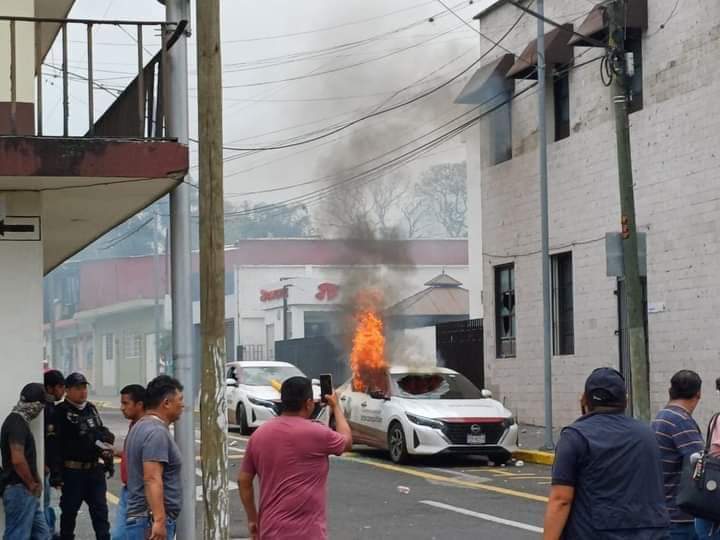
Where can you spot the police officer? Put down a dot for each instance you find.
(84, 457)
(606, 479)
(54, 392)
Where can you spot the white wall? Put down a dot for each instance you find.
(21, 314)
(24, 51)
(676, 167)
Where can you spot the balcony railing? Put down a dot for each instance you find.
(137, 111)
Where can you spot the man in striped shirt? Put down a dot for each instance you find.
(679, 436)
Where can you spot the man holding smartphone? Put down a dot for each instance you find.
(290, 456)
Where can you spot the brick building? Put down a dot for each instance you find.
(676, 162)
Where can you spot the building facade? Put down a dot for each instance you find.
(674, 132)
(275, 289)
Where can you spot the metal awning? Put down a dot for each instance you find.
(489, 84)
(595, 26)
(557, 52)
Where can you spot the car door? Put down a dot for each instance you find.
(371, 414)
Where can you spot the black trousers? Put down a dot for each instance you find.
(89, 487)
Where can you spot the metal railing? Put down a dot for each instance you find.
(138, 110)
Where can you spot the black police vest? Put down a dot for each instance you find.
(619, 491)
(77, 432)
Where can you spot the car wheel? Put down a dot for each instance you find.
(241, 418)
(396, 443)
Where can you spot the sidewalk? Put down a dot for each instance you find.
(532, 442)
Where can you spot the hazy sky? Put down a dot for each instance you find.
(362, 55)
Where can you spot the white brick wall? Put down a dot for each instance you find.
(676, 162)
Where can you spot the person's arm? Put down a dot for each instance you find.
(341, 425)
(247, 496)
(558, 511)
(22, 468)
(152, 476)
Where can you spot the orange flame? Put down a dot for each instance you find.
(367, 359)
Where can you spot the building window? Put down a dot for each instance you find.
(633, 44)
(562, 304)
(133, 346)
(561, 102)
(109, 340)
(505, 310)
(501, 132)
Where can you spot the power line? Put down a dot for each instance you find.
(387, 109)
(340, 68)
(470, 26)
(327, 28)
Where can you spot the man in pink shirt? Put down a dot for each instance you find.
(290, 456)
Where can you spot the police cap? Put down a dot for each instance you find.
(76, 379)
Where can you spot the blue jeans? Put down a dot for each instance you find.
(118, 531)
(139, 528)
(48, 510)
(683, 531)
(704, 527)
(24, 518)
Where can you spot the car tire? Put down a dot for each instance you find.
(241, 418)
(397, 446)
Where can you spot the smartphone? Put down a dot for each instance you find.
(326, 386)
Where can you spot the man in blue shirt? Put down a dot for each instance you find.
(606, 480)
(679, 436)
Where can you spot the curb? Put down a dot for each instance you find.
(539, 457)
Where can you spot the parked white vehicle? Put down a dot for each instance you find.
(428, 411)
(252, 391)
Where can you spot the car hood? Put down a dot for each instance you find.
(268, 392)
(454, 408)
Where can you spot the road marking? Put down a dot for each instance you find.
(445, 479)
(112, 499)
(485, 517)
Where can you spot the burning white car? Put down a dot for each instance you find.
(252, 391)
(428, 411)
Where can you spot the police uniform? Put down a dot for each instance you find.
(77, 462)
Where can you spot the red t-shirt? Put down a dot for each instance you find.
(290, 455)
(123, 464)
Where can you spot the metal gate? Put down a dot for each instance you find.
(460, 347)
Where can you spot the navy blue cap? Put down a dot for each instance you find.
(606, 386)
(75, 379)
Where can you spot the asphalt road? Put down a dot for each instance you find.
(370, 498)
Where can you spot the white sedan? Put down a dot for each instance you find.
(252, 391)
(429, 411)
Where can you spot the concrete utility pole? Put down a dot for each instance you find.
(639, 371)
(545, 226)
(213, 408)
(181, 268)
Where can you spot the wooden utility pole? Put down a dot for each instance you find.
(213, 408)
(639, 369)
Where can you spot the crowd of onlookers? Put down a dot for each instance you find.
(80, 453)
(615, 477)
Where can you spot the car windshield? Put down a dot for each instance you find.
(263, 376)
(434, 386)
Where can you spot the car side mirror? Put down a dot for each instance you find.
(315, 382)
(487, 394)
(231, 382)
(377, 394)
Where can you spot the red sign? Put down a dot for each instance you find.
(268, 296)
(327, 291)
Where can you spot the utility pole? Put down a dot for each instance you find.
(544, 226)
(156, 285)
(176, 119)
(213, 408)
(620, 93)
